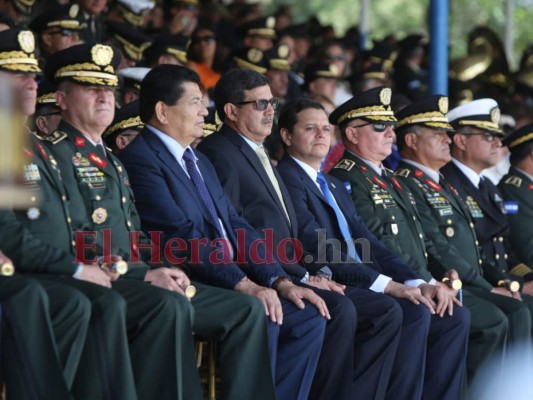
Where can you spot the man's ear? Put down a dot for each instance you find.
(351, 134)
(61, 100)
(47, 39)
(459, 141)
(410, 139)
(230, 111)
(285, 136)
(41, 124)
(160, 112)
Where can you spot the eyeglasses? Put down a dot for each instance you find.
(207, 39)
(489, 136)
(261, 104)
(63, 32)
(377, 126)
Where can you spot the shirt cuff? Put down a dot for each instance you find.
(433, 281)
(305, 278)
(379, 284)
(414, 282)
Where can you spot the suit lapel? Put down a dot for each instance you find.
(172, 164)
(254, 161)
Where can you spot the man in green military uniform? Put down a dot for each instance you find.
(102, 206)
(424, 142)
(390, 211)
(517, 191)
(68, 309)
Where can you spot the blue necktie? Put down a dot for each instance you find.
(196, 178)
(341, 220)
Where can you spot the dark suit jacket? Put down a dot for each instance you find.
(169, 202)
(248, 187)
(492, 227)
(315, 214)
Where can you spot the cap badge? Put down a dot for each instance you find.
(443, 105)
(283, 51)
(101, 54)
(26, 41)
(270, 22)
(73, 11)
(333, 69)
(385, 96)
(254, 55)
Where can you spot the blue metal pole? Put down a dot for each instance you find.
(438, 65)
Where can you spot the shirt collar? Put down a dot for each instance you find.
(251, 143)
(176, 149)
(472, 175)
(307, 168)
(428, 171)
(378, 169)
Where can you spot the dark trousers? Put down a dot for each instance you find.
(40, 338)
(430, 361)
(139, 345)
(294, 350)
(359, 346)
(238, 322)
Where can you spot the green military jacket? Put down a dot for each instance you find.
(517, 191)
(447, 222)
(387, 208)
(101, 201)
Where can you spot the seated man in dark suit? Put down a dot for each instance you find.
(178, 193)
(260, 196)
(430, 359)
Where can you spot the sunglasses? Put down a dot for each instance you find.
(63, 32)
(207, 39)
(489, 136)
(377, 126)
(261, 104)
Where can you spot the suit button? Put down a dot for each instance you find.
(124, 199)
(472, 225)
(500, 238)
(64, 198)
(98, 197)
(420, 236)
(414, 218)
(480, 261)
(477, 242)
(497, 256)
(129, 224)
(449, 222)
(73, 243)
(495, 240)
(393, 217)
(426, 254)
(505, 256)
(69, 220)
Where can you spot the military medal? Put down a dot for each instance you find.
(33, 213)
(31, 173)
(379, 182)
(450, 232)
(95, 158)
(79, 142)
(99, 215)
(75, 161)
(394, 228)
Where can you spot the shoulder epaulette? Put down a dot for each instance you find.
(403, 172)
(345, 164)
(514, 180)
(54, 138)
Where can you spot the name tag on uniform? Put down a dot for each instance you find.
(511, 207)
